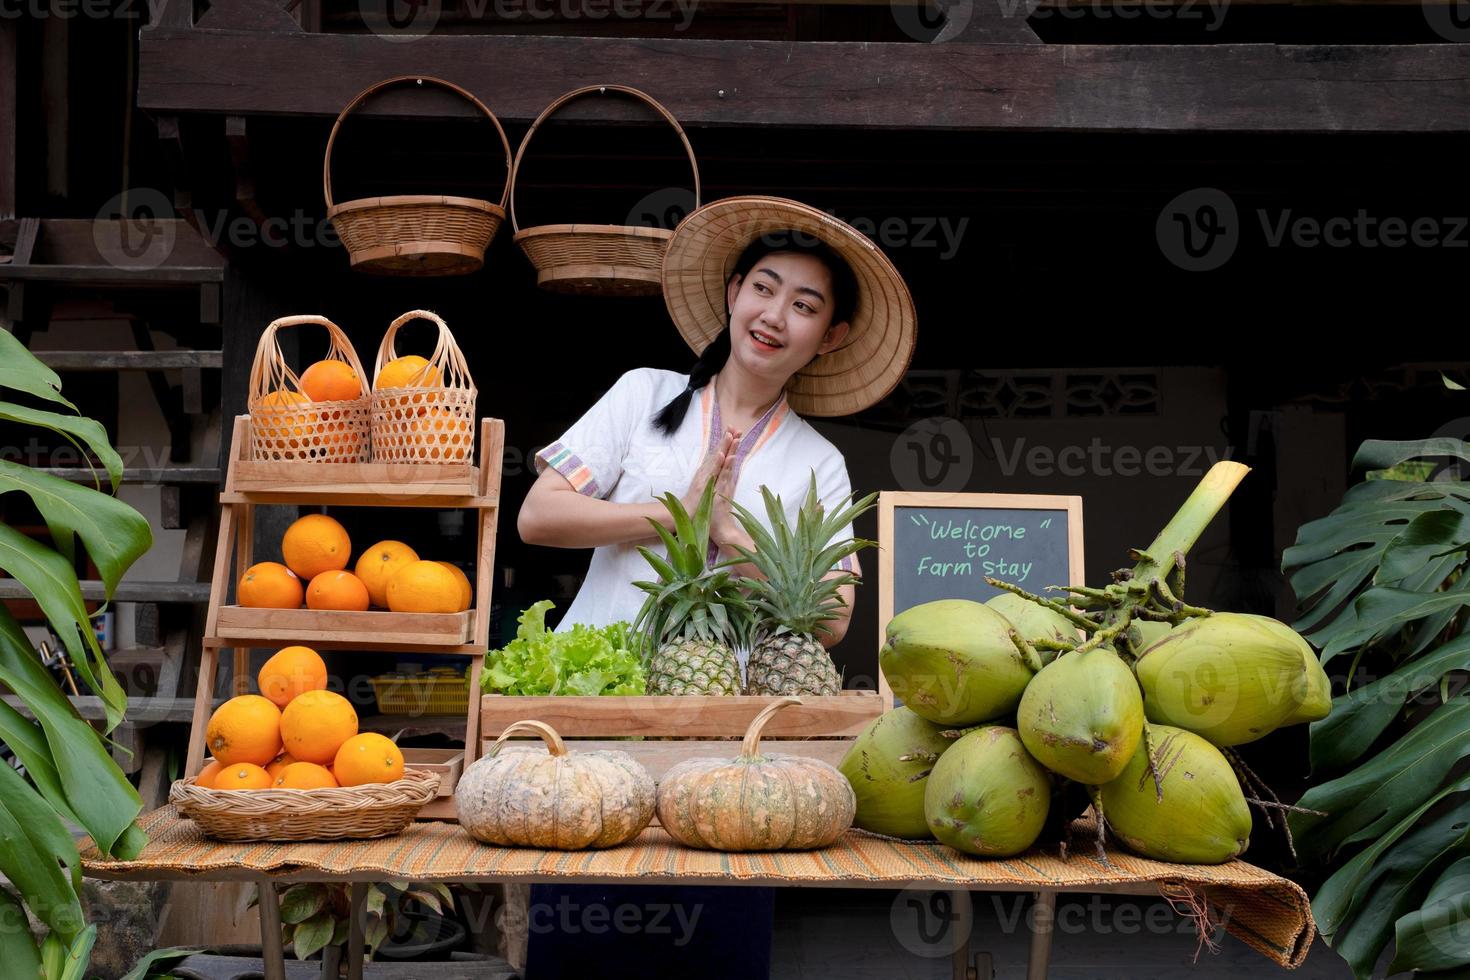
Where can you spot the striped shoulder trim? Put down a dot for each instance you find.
(561, 458)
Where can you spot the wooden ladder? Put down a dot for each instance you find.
(254, 483)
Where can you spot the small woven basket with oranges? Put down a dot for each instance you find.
(290, 764)
(323, 414)
(423, 409)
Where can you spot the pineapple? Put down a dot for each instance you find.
(795, 597)
(694, 616)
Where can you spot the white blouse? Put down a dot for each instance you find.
(614, 452)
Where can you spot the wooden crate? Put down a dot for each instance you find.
(329, 627)
(820, 727)
(448, 763)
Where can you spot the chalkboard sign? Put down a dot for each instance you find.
(944, 545)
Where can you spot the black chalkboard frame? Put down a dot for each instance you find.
(890, 500)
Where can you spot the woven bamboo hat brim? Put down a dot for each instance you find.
(876, 352)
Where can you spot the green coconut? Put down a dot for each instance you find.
(1232, 678)
(987, 796)
(888, 767)
(1035, 622)
(1201, 817)
(1082, 716)
(954, 662)
(1148, 632)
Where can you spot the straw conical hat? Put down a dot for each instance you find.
(876, 352)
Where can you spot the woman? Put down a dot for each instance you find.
(792, 313)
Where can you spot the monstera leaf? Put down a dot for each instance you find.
(68, 774)
(1383, 592)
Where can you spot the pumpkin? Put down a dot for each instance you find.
(756, 802)
(568, 801)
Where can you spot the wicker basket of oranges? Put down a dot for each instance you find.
(322, 414)
(290, 764)
(423, 409)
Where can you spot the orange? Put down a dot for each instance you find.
(314, 544)
(292, 671)
(305, 775)
(245, 729)
(315, 725)
(331, 381)
(269, 585)
(423, 587)
(377, 565)
(282, 761)
(408, 372)
(466, 591)
(300, 424)
(368, 758)
(243, 775)
(440, 434)
(337, 590)
(207, 774)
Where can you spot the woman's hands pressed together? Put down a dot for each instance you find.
(725, 531)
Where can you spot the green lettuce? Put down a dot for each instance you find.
(582, 660)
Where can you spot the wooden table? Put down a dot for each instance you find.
(1267, 912)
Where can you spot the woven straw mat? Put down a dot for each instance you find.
(1265, 911)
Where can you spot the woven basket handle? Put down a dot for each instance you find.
(562, 100)
(454, 371)
(270, 372)
(399, 80)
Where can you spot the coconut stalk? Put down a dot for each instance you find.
(1153, 588)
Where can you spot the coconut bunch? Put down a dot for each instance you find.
(1125, 692)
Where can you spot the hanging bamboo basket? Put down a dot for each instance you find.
(287, 425)
(415, 234)
(430, 418)
(600, 260)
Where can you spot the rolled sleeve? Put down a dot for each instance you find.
(590, 454)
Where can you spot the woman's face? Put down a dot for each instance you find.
(780, 315)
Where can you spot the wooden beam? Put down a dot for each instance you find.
(1115, 88)
(9, 116)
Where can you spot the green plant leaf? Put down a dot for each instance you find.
(314, 934)
(18, 949)
(26, 739)
(1434, 936)
(74, 427)
(1376, 454)
(376, 933)
(339, 933)
(302, 901)
(79, 956)
(114, 534)
(1359, 717)
(1334, 902)
(53, 584)
(1396, 886)
(100, 796)
(1379, 612)
(159, 959)
(1372, 798)
(1430, 535)
(20, 370)
(37, 875)
(41, 823)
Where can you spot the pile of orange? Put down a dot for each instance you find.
(324, 381)
(437, 433)
(390, 575)
(294, 734)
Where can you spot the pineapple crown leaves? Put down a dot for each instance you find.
(689, 600)
(798, 592)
